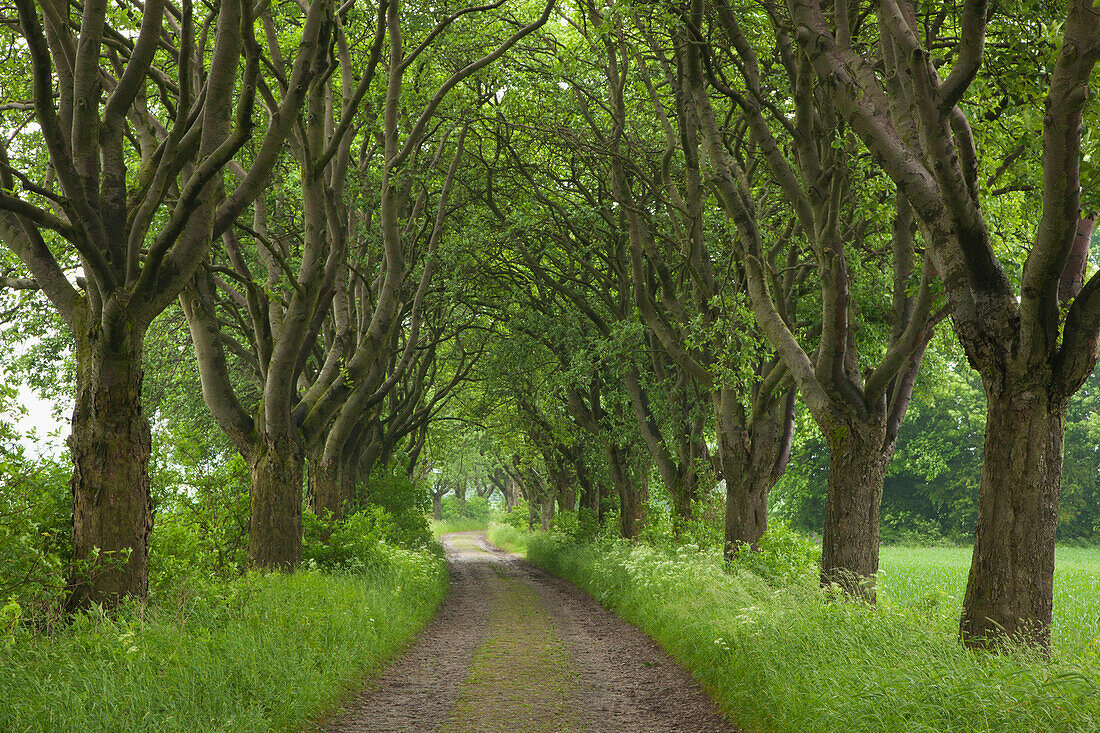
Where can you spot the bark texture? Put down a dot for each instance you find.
(1011, 584)
(330, 486)
(850, 541)
(275, 538)
(110, 447)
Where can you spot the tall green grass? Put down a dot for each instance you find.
(461, 524)
(263, 653)
(932, 580)
(785, 658)
(508, 537)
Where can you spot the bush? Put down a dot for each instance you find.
(783, 556)
(478, 507)
(578, 526)
(406, 503)
(910, 530)
(518, 516)
(35, 511)
(349, 545)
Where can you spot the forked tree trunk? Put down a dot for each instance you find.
(1010, 589)
(751, 461)
(630, 505)
(110, 447)
(329, 486)
(746, 516)
(275, 539)
(850, 542)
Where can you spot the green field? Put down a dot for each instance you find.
(932, 580)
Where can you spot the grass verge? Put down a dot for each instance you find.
(463, 524)
(263, 653)
(784, 659)
(507, 537)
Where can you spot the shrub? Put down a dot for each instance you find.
(35, 507)
(351, 544)
(910, 530)
(783, 556)
(406, 503)
(518, 516)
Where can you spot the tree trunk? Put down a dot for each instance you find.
(682, 497)
(1010, 589)
(546, 515)
(590, 491)
(110, 447)
(276, 527)
(460, 494)
(630, 508)
(328, 486)
(511, 494)
(437, 507)
(746, 516)
(567, 499)
(850, 543)
(751, 461)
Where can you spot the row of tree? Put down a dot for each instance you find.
(319, 161)
(634, 236)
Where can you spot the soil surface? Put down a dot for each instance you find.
(516, 650)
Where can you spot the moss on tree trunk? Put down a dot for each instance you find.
(110, 448)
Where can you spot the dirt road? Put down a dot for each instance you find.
(516, 650)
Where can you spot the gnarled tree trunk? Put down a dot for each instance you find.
(330, 485)
(1011, 584)
(276, 467)
(110, 447)
(850, 542)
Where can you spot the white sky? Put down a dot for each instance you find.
(38, 423)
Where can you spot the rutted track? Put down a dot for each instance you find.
(514, 649)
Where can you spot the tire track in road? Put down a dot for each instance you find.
(516, 650)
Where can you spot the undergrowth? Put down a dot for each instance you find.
(779, 656)
(259, 653)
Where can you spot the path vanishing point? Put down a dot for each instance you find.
(516, 650)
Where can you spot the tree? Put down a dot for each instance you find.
(356, 277)
(858, 408)
(138, 125)
(1034, 345)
